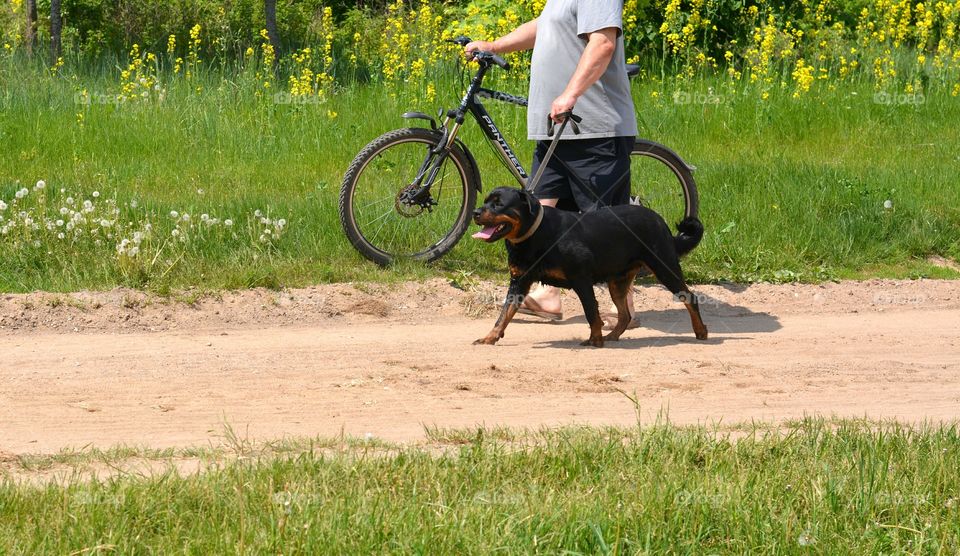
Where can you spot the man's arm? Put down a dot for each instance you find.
(593, 62)
(521, 38)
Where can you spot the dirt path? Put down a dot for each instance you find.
(120, 367)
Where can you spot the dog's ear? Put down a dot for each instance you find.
(533, 204)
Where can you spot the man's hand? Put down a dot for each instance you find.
(561, 104)
(474, 46)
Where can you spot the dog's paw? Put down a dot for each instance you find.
(485, 341)
(595, 342)
(701, 335)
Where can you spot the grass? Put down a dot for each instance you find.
(813, 486)
(791, 189)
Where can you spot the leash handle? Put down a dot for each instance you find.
(568, 116)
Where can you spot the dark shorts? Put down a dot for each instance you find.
(587, 173)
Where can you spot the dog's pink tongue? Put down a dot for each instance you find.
(485, 233)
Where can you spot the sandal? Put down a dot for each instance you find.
(530, 307)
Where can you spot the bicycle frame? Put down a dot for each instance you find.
(470, 103)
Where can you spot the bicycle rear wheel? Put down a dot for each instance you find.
(379, 220)
(662, 181)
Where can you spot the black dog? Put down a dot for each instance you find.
(571, 250)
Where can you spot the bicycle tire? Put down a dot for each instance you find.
(384, 255)
(682, 171)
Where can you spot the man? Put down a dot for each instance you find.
(578, 61)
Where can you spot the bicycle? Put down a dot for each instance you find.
(395, 201)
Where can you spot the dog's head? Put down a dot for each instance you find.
(505, 213)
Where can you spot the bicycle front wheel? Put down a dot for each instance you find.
(376, 212)
(662, 181)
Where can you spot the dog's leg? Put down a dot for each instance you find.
(591, 310)
(515, 293)
(671, 276)
(618, 293)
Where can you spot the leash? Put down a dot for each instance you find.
(573, 119)
(568, 116)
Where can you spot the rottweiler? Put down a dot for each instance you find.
(571, 250)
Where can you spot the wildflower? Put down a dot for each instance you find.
(70, 201)
(21, 193)
(60, 235)
(806, 538)
(228, 222)
(41, 184)
(3, 206)
(888, 204)
(175, 232)
(174, 214)
(281, 223)
(185, 217)
(59, 223)
(96, 194)
(87, 206)
(104, 223)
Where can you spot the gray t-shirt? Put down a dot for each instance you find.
(562, 29)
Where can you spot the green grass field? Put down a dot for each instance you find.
(810, 487)
(791, 189)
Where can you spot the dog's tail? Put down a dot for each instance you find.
(691, 232)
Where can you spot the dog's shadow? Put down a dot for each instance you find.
(723, 319)
(626, 342)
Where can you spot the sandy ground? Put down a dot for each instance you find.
(385, 360)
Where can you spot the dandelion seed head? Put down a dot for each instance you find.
(64, 211)
(59, 222)
(3, 206)
(174, 214)
(888, 204)
(257, 213)
(228, 222)
(41, 184)
(185, 217)
(175, 232)
(96, 194)
(60, 235)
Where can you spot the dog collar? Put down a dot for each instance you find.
(533, 228)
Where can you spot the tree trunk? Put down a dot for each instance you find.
(56, 29)
(270, 14)
(30, 34)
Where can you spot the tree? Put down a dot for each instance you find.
(270, 15)
(30, 34)
(56, 29)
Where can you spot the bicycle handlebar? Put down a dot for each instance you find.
(482, 56)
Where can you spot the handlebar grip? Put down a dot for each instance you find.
(461, 40)
(500, 61)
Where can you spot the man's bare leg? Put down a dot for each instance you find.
(545, 298)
